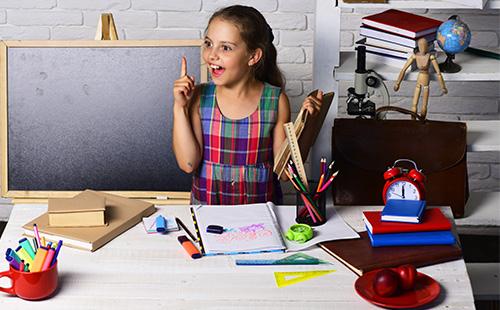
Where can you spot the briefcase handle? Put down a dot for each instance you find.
(380, 112)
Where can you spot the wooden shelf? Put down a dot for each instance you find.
(483, 136)
(421, 4)
(474, 68)
(481, 215)
(492, 4)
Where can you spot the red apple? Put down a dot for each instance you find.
(386, 282)
(407, 276)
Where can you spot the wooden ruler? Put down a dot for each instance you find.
(295, 152)
(284, 153)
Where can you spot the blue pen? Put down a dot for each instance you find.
(59, 244)
(161, 224)
(12, 254)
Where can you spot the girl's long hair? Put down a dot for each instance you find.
(256, 33)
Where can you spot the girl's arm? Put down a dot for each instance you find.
(186, 132)
(187, 135)
(311, 103)
(279, 131)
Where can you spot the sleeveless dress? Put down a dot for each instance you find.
(237, 164)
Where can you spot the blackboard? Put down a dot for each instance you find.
(91, 114)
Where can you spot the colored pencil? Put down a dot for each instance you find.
(327, 183)
(306, 204)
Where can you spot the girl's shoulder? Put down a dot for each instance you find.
(272, 87)
(206, 88)
(271, 91)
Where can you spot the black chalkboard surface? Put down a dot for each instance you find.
(91, 114)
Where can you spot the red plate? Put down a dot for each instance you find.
(426, 290)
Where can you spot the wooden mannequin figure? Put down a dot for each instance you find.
(423, 59)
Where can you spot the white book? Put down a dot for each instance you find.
(394, 38)
(251, 228)
(388, 60)
(387, 51)
(391, 45)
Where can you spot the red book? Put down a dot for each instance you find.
(402, 23)
(433, 220)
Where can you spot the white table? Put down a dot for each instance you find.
(140, 271)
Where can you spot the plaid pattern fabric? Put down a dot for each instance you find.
(237, 165)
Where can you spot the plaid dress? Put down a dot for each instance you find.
(237, 164)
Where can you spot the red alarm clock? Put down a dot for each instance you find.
(403, 184)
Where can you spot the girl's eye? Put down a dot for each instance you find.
(226, 48)
(207, 44)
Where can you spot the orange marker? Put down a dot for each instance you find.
(39, 258)
(189, 247)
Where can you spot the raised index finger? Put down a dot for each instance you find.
(183, 66)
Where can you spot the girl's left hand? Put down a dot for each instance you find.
(313, 103)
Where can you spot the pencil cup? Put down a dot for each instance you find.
(311, 209)
(31, 285)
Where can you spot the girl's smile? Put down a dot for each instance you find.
(216, 70)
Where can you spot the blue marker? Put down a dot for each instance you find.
(12, 254)
(161, 224)
(13, 262)
(59, 244)
(215, 229)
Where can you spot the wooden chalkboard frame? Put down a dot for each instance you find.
(34, 196)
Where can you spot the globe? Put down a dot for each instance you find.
(453, 36)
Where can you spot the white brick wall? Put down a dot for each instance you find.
(292, 22)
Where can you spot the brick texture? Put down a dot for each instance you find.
(293, 27)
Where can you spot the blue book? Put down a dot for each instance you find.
(438, 237)
(400, 210)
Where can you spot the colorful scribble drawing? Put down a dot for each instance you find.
(244, 233)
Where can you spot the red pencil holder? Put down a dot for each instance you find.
(31, 285)
(311, 209)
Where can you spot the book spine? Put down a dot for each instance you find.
(418, 238)
(387, 60)
(387, 51)
(391, 29)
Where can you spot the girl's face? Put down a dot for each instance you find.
(225, 53)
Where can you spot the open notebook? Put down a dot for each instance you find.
(247, 229)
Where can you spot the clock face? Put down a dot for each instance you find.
(402, 190)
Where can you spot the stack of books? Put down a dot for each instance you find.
(433, 229)
(84, 210)
(121, 214)
(391, 37)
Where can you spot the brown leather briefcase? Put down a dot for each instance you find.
(363, 149)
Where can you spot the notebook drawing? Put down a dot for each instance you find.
(249, 228)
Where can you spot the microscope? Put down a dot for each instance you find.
(366, 82)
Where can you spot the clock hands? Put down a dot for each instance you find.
(403, 191)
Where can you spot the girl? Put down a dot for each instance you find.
(227, 131)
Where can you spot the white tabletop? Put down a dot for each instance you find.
(141, 271)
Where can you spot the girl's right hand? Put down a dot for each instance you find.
(183, 87)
